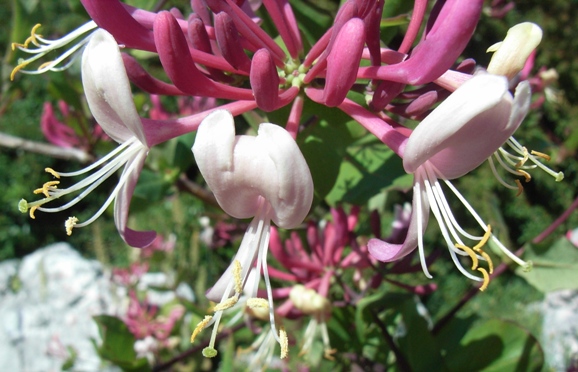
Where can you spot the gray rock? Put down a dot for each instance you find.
(46, 306)
(560, 328)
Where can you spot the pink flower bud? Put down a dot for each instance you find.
(229, 42)
(112, 16)
(343, 61)
(265, 80)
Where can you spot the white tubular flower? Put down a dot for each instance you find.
(265, 177)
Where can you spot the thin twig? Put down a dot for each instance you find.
(53, 151)
(563, 217)
(205, 195)
(399, 357)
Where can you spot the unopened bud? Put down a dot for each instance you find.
(229, 42)
(343, 61)
(264, 80)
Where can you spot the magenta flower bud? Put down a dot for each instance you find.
(179, 65)
(142, 79)
(343, 61)
(200, 8)
(385, 92)
(422, 103)
(265, 80)
(229, 42)
(199, 39)
(197, 34)
(175, 56)
(442, 45)
(112, 16)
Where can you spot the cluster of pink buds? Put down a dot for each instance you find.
(221, 63)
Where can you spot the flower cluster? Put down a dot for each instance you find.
(221, 63)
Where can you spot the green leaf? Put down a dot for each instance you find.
(368, 168)
(494, 346)
(152, 186)
(118, 344)
(554, 269)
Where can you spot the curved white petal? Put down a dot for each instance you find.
(388, 252)
(138, 239)
(107, 89)
(467, 127)
(240, 170)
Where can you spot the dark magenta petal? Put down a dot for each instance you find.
(442, 45)
(265, 80)
(113, 17)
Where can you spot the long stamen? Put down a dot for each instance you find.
(513, 257)
(443, 228)
(417, 195)
(45, 46)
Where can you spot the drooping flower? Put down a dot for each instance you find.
(110, 100)
(264, 177)
(454, 139)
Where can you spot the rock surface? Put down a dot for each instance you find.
(47, 301)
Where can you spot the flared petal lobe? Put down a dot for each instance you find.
(240, 170)
(468, 127)
(388, 252)
(107, 89)
(138, 239)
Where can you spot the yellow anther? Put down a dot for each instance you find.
(541, 155)
(520, 187)
(228, 303)
(237, 271)
(258, 303)
(489, 260)
(484, 240)
(210, 352)
(202, 324)
(328, 353)
(69, 224)
(470, 253)
(45, 189)
(44, 65)
(284, 343)
(16, 69)
(486, 278)
(30, 39)
(524, 159)
(32, 210)
(52, 171)
(525, 174)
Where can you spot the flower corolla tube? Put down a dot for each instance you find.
(264, 177)
(459, 135)
(110, 100)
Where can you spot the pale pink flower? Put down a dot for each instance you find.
(454, 139)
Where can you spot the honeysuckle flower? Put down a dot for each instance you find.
(460, 134)
(264, 177)
(109, 97)
(45, 46)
